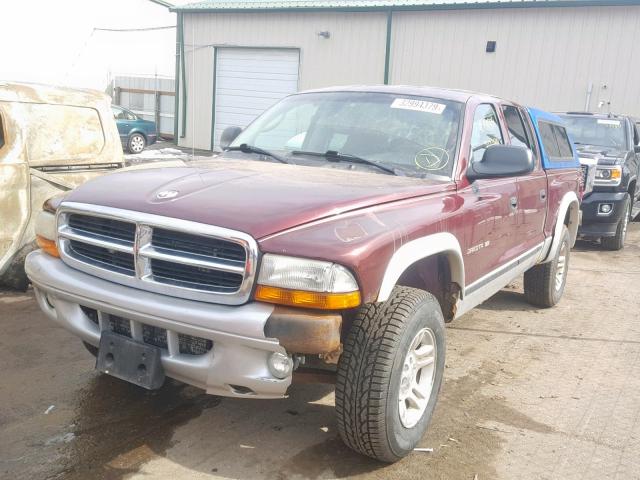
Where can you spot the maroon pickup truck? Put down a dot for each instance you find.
(331, 240)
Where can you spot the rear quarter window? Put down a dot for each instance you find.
(63, 134)
(515, 124)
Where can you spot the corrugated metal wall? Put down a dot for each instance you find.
(353, 55)
(545, 57)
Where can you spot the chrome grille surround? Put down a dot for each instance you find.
(143, 252)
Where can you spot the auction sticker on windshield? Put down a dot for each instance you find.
(418, 105)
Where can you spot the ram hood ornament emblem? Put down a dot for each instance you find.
(167, 194)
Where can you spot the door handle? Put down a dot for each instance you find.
(514, 202)
(543, 194)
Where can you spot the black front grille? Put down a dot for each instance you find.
(151, 335)
(110, 259)
(584, 170)
(154, 336)
(194, 277)
(120, 325)
(190, 345)
(104, 227)
(91, 313)
(199, 245)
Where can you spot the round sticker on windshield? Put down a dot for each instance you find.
(432, 158)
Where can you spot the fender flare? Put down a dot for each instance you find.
(418, 249)
(569, 201)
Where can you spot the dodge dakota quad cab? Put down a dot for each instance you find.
(613, 142)
(51, 140)
(332, 239)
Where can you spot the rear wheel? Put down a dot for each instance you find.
(544, 284)
(136, 143)
(390, 374)
(617, 242)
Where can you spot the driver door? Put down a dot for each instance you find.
(491, 205)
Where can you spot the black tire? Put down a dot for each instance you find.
(14, 277)
(617, 242)
(136, 143)
(540, 286)
(370, 370)
(91, 349)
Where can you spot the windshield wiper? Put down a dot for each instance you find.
(334, 156)
(244, 148)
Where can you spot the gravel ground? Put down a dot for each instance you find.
(528, 393)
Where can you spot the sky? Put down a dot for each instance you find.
(54, 41)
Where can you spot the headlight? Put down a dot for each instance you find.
(608, 175)
(306, 283)
(45, 227)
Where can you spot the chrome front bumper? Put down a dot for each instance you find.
(236, 366)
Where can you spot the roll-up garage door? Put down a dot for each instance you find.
(250, 80)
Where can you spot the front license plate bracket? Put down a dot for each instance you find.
(129, 360)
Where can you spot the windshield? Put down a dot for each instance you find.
(414, 135)
(603, 132)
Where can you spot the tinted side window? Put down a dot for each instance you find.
(563, 142)
(485, 131)
(548, 140)
(516, 128)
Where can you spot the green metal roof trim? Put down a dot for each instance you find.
(372, 5)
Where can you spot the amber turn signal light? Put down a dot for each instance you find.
(301, 298)
(47, 246)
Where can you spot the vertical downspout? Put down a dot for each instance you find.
(587, 102)
(176, 97)
(213, 97)
(387, 53)
(184, 79)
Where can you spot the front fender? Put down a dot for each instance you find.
(418, 249)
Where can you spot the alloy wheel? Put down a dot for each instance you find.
(416, 380)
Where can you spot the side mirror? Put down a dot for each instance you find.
(502, 161)
(229, 134)
(636, 148)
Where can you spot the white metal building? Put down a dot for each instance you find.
(236, 58)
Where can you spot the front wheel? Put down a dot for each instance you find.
(390, 374)
(617, 242)
(136, 143)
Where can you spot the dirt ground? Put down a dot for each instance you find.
(528, 394)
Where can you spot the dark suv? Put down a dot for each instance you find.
(612, 141)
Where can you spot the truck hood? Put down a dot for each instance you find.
(604, 155)
(258, 198)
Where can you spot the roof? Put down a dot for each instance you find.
(372, 5)
(443, 93)
(591, 114)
